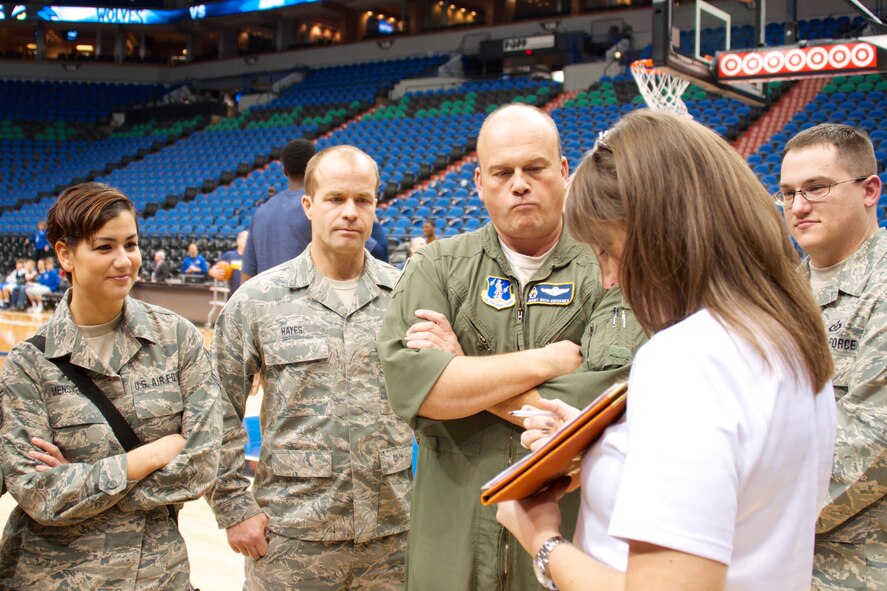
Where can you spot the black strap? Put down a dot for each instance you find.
(122, 429)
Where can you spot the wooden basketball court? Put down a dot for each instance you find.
(214, 566)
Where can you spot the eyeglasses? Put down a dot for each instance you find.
(812, 192)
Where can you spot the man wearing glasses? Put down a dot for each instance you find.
(829, 195)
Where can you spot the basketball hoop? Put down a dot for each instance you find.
(661, 91)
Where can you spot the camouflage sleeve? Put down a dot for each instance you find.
(235, 360)
(609, 343)
(190, 474)
(67, 494)
(411, 374)
(859, 476)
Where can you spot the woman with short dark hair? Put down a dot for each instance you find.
(95, 512)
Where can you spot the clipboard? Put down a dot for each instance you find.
(557, 457)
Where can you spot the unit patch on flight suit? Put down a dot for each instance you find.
(499, 293)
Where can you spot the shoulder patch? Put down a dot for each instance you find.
(499, 293)
(552, 294)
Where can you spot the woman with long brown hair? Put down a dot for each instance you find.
(715, 478)
(110, 419)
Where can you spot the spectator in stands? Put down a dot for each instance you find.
(509, 305)
(47, 281)
(714, 479)
(234, 258)
(279, 230)
(829, 195)
(106, 520)
(12, 280)
(428, 231)
(162, 269)
(194, 264)
(19, 295)
(415, 244)
(39, 245)
(336, 486)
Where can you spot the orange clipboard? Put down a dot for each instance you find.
(557, 457)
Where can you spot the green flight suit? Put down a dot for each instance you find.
(467, 278)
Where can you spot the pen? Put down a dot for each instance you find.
(523, 414)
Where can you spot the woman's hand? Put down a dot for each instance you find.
(539, 429)
(534, 520)
(51, 455)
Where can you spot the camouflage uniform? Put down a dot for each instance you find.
(851, 541)
(83, 525)
(335, 460)
(468, 279)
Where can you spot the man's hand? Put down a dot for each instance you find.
(215, 272)
(248, 536)
(564, 357)
(434, 333)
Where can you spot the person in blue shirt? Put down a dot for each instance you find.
(280, 230)
(47, 281)
(233, 257)
(38, 242)
(194, 264)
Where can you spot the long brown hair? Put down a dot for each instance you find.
(701, 232)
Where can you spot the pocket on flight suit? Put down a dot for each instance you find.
(609, 344)
(297, 371)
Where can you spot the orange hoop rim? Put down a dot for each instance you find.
(646, 64)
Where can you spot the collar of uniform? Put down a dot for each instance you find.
(566, 250)
(63, 337)
(857, 271)
(300, 271)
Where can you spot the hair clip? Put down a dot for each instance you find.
(602, 140)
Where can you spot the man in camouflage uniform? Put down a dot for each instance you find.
(329, 507)
(83, 524)
(830, 190)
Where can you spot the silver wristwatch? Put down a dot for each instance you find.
(540, 563)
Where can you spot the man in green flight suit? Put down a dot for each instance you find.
(505, 315)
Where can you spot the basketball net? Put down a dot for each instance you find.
(661, 91)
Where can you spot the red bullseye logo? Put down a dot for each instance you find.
(817, 59)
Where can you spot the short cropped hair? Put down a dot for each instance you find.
(81, 211)
(349, 153)
(295, 156)
(855, 151)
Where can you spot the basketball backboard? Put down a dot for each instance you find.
(713, 49)
(688, 35)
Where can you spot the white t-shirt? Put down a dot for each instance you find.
(723, 458)
(524, 267)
